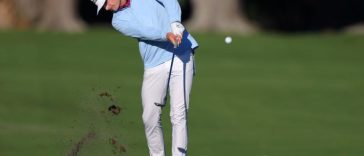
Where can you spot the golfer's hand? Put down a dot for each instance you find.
(178, 29)
(174, 39)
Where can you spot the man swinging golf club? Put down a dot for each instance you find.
(167, 50)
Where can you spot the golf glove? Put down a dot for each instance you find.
(177, 28)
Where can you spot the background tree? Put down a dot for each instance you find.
(221, 16)
(60, 16)
(8, 17)
(44, 14)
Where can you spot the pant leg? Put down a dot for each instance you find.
(180, 87)
(153, 91)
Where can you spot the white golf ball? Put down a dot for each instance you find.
(228, 40)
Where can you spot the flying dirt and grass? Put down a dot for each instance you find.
(261, 95)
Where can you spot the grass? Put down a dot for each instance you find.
(262, 95)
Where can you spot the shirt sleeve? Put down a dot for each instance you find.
(173, 9)
(136, 30)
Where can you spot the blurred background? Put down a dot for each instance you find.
(206, 15)
(291, 83)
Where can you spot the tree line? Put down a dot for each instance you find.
(243, 16)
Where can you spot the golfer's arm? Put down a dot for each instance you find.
(137, 30)
(173, 9)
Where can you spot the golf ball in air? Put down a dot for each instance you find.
(228, 40)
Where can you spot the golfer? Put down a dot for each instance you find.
(167, 50)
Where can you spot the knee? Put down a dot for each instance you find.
(151, 119)
(178, 118)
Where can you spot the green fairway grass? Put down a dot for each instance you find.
(262, 95)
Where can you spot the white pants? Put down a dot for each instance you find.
(153, 91)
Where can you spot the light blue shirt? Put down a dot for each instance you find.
(149, 21)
